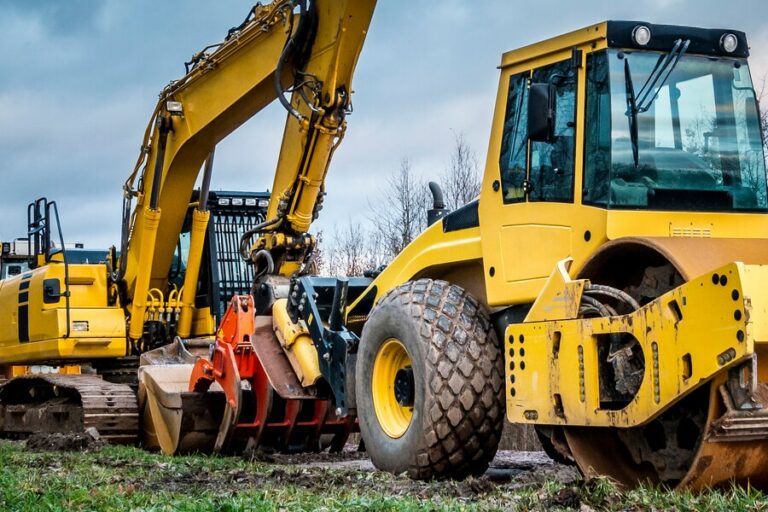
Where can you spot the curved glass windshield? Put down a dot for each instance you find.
(696, 143)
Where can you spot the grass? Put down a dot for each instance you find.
(121, 478)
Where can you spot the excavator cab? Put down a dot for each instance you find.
(223, 273)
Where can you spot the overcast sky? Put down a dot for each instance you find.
(79, 78)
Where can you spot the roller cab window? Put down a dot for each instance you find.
(537, 150)
(514, 143)
(687, 140)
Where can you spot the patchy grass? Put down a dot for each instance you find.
(120, 478)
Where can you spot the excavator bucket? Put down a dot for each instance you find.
(175, 420)
(242, 394)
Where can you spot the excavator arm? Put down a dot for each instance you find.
(300, 52)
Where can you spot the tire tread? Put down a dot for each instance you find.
(464, 403)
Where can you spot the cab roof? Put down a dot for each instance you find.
(619, 34)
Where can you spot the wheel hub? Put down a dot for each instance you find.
(404, 392)
(393, 388)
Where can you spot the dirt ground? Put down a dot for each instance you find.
(349, 469)
(80, 473)
(353, 471)
(45, 442)
(523, 467)
(77, 473)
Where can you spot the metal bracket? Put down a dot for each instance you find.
(742, 384)
(321, 302)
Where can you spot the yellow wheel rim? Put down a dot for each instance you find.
(393, 417)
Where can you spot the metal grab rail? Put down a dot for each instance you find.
(39, 214)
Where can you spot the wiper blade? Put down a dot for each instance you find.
(642, 101)
(655, 82)
(631, 110)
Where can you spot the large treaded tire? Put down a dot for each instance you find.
(458, 373)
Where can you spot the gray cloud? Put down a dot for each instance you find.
(80, 77)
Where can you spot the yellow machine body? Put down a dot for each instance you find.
(226, 88)
(521, 252)
(302, 53)
(553, 350)
(36, 319)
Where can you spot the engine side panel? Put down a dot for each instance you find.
(33, 307)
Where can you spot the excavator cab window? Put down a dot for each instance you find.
(223, 273)
(693, 144)
(13, 270)
(548, 174)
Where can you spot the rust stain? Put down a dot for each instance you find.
(747, 308)
(740, 463)
(703, 463)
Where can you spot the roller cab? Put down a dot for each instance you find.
(623, 224)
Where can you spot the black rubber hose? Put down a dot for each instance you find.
(206, 185)
(614, 293)
(290, 47)
(157, 177)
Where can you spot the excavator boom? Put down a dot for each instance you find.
(300, 52)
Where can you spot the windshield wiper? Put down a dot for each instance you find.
(631, 110)
(642, 101)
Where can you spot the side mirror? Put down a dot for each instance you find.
(541, 112)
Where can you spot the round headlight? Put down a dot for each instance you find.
(729, 42)
(641, 35)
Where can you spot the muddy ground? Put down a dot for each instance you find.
(350, 470)
(77, 473)
(520, 467)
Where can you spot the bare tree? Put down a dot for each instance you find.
(461, 180)
(399, 212)
(762, 100)
(376, 251)
(319, 264)
(347, 255)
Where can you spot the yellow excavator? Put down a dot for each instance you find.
(607, 287)
(151, 291)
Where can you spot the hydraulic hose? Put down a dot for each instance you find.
(291, 46)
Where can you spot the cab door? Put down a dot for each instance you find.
(526, 211)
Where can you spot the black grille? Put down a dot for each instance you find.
(230, 275)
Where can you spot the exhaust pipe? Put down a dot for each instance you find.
(438, 210)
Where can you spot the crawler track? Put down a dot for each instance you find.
(68, 403)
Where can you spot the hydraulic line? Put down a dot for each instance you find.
(291, 46)
(200, 218)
